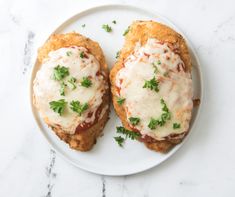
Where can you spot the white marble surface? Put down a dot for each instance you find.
(205, 166)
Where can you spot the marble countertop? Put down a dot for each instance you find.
(205, 166)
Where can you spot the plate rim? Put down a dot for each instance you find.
(132, 7)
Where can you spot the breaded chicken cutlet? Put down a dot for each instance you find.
(151, 85)
(71, 89)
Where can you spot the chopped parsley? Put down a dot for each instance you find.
(134, 120)
(166, 115)
(82, 54)
(153, 123)
(120, 100)
(176, 125)
(114, 22)
(72, 81)
(120, 140)
(164, 108)
(126, 31)
(86, 82)
(155, 68)
(69, 53)
(58, 106)
(84, 25)
(76, 106)
(62, 88)
(151, 84)
(117, 54)
(107, 28)
(60, 72)
(128, 133)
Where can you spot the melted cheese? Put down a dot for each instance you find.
(46, 89)
(175, 87)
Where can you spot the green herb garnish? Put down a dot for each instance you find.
(166, 115)
(126, 31)
(107, 28)
(155, 68)
(76, 106)
(164, 106)
(60, 72)
(69, 53)
(62, 88)
(58, 106)
(117, 54)
(120, 100)
(84, 25)
(82, 54)
(151, 84)
(153, 123)
(134, 120)
(176, 125)
(72, 81)
(120, 140)
(86, 82)
(128, 133)
(114, 22)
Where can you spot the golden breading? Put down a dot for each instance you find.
(81, 140)
(140, 31)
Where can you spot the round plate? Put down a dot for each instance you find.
(107, 157)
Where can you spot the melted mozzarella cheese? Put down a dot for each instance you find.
(46, 89)
(156, 59)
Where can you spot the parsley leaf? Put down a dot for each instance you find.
(84, 25)
(164, 108)
(155, 68)
(134, 120)
(76, 106)
(120, 100)
(176, 125)
(117, 54)
(72, 81)
(107, 28)
(114, 22)
(120, 140)
(58, 106)
(129, 134)
(82, 54)
(86, 82)
(62, 88)
(166, 115)
(69, 53)
(60, 72)
(153, 123)
(126, 31)
(151, 84)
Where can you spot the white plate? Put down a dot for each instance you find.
(107, 157)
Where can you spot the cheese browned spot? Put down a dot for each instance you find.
(46, 89)
(156, 59)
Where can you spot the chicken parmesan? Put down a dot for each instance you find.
(152, 85)
(71, 89)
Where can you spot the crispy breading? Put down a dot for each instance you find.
(140, 31)
(81, 140)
